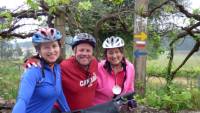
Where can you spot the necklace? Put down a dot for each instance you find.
(116, 88)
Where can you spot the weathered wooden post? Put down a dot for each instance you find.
(140, 53)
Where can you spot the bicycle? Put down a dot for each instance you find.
(120, 104)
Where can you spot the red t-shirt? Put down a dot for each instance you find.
(119, 77)
(74, 81)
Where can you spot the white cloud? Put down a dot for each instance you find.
(12, 4)
(195, 4)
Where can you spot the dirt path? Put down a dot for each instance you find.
(6, 106)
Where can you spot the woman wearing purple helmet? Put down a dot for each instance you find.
(40, 87)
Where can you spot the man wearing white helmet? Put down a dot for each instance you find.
(115, 73)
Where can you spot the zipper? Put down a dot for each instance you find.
(54, 74)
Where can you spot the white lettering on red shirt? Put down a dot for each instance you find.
(89, 80)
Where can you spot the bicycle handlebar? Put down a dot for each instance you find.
(113, 105)
(126, 96)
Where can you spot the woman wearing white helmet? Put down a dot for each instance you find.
(115, 73)
(40, 87)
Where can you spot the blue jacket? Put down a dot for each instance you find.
(38, 93)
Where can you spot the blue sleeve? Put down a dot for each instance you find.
(63, 103)
(26, 88)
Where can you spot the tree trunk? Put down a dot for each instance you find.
(60, 25)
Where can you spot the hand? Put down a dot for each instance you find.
(132, 104)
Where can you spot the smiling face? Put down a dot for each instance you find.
(84, 53)
(114, 56)
(50, 51)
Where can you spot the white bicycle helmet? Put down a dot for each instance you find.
(113, 42)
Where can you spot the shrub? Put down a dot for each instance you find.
(173, 98)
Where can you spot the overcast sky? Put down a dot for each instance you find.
(11, 4)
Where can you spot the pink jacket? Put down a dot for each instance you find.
(106, 83)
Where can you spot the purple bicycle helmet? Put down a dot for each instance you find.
(46, 35)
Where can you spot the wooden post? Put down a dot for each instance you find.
(140, 53)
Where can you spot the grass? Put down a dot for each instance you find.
(157, 67)
(10, 72)
(184, 94)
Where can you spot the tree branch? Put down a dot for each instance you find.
(9, 33)
(29, 14)
(22, 36)
(184, 11)
(195, 49)
(169, 67)
(149, 13)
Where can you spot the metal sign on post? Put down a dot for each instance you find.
(139, 38)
